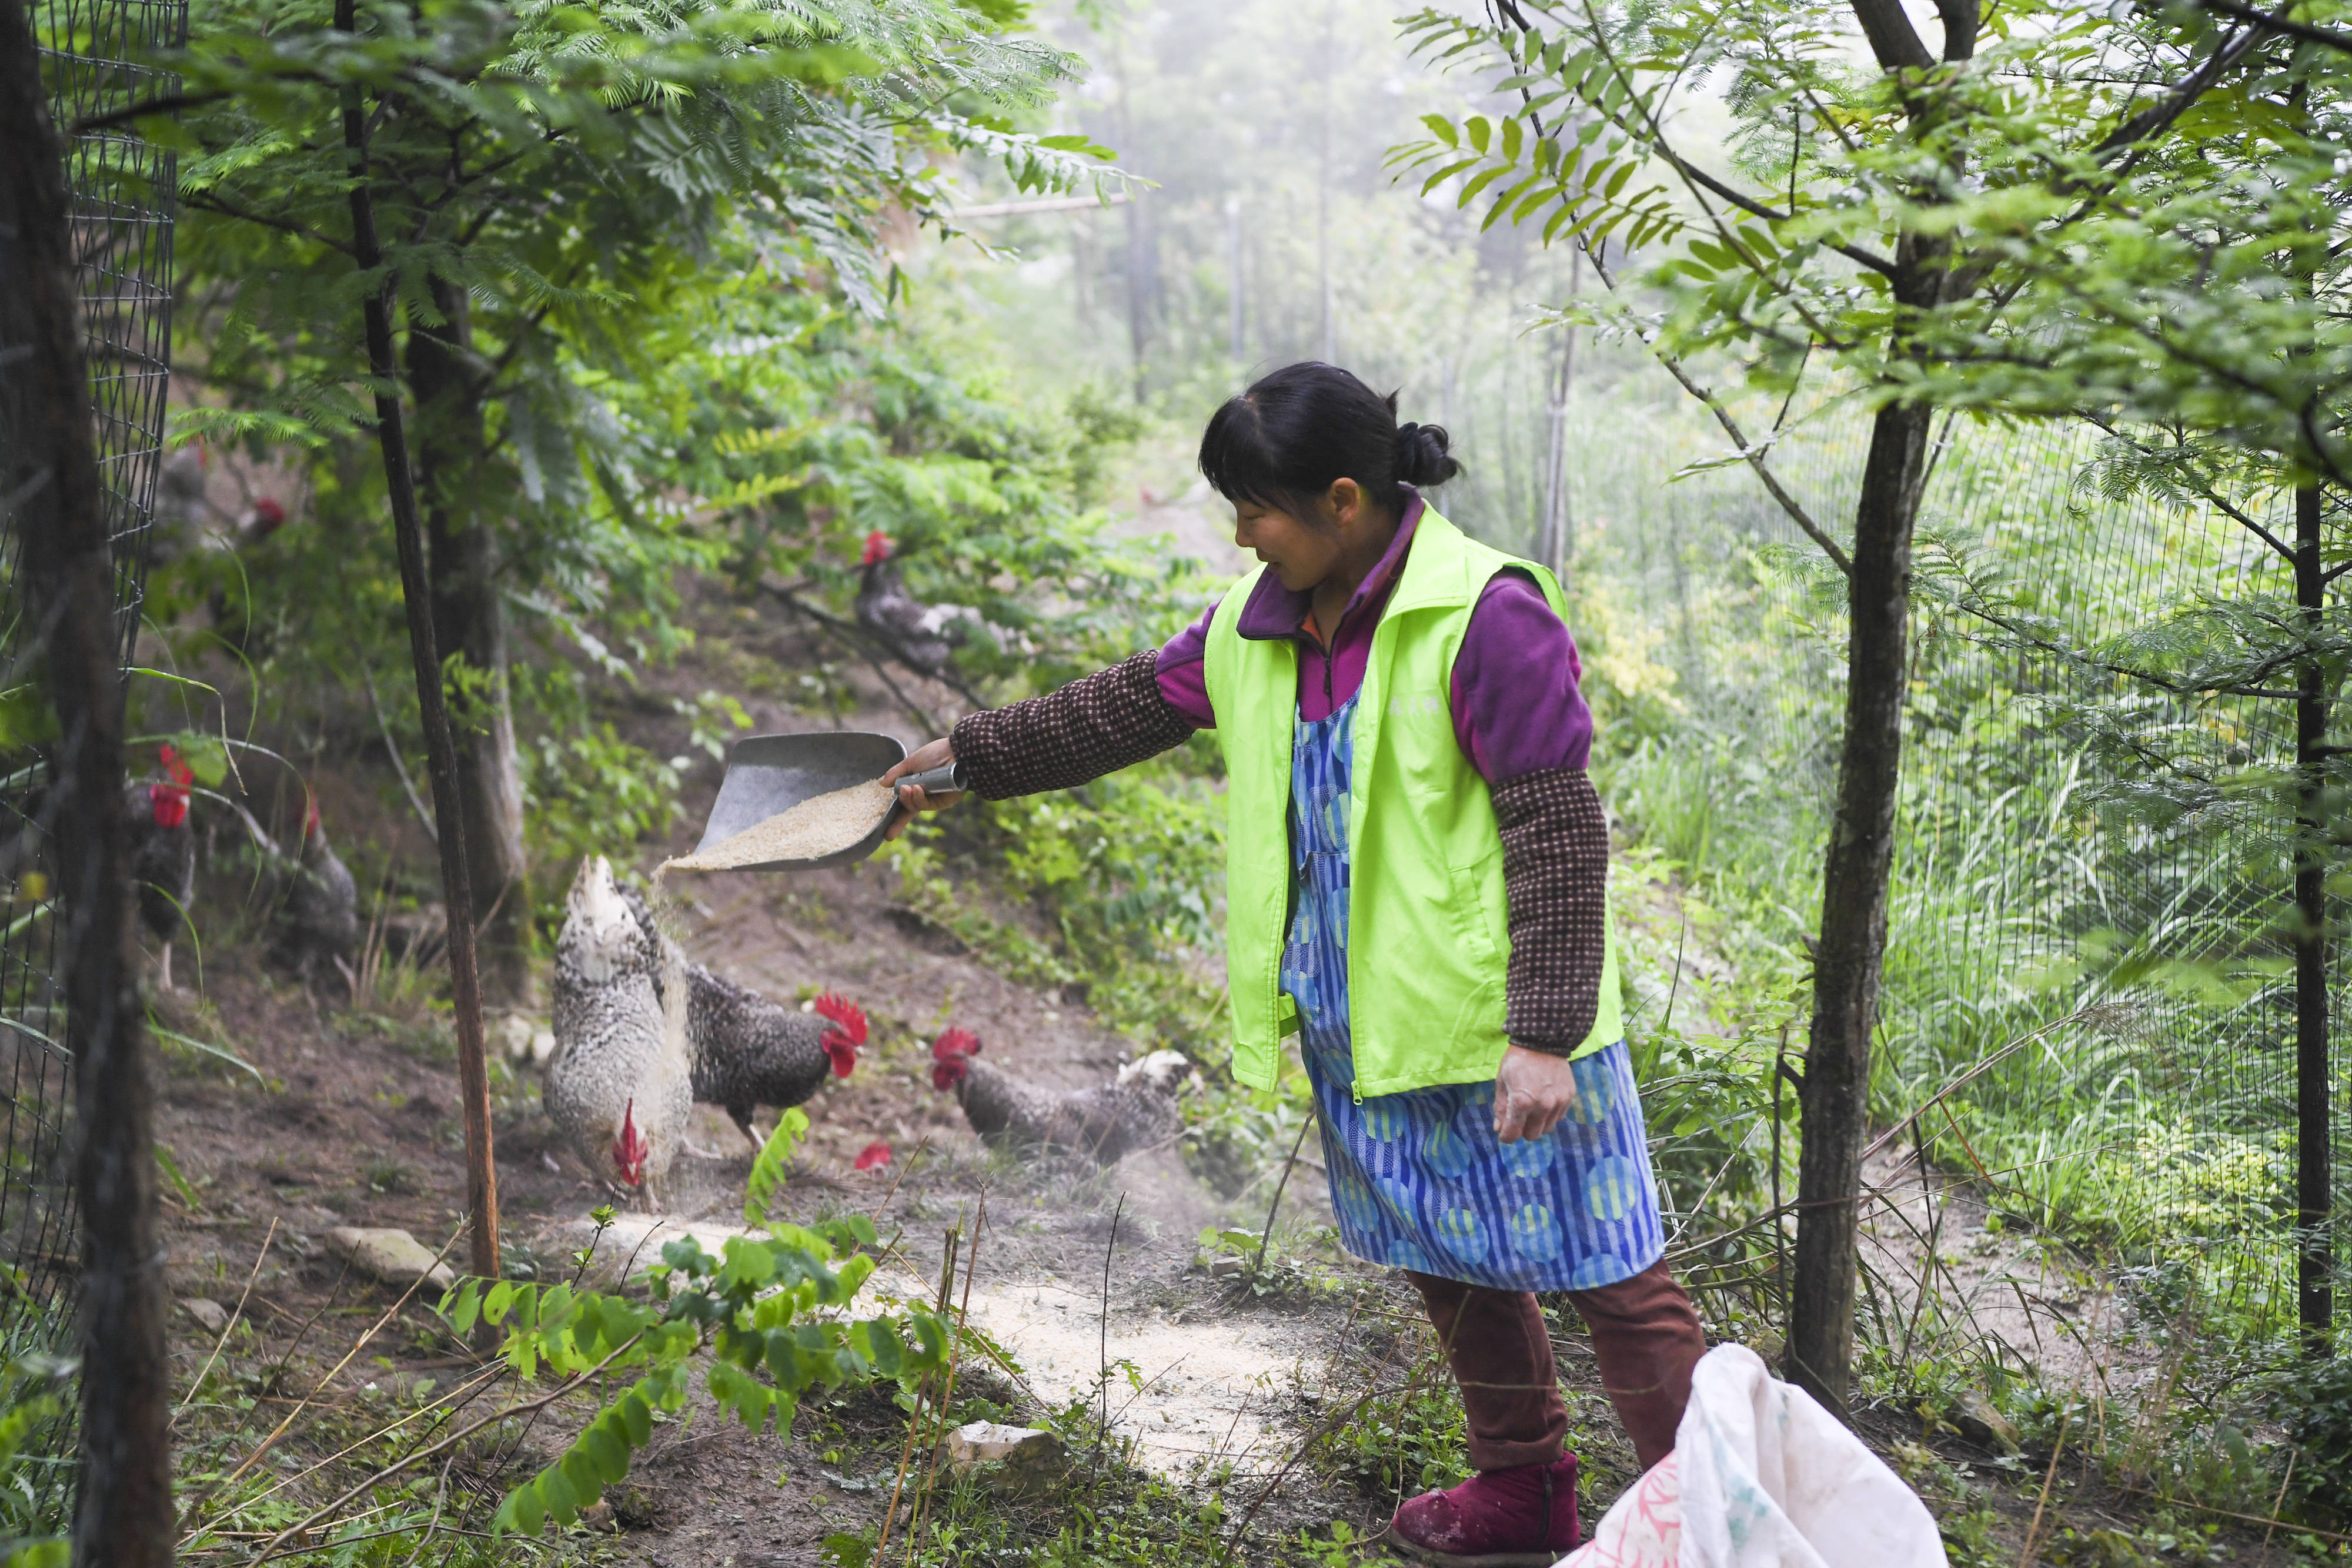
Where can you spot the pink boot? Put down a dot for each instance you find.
(1520, 1518)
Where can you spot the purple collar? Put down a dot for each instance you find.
(1274, 613)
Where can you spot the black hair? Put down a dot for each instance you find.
(1284, 443)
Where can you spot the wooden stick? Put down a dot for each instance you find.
(924, 1490)
(267, 1443)
(229, 1327)
(2279, 1501)
(2025, 1557)
(2230, 1513)
(1102, 1432)
(1267, 1236)
(915, 1416)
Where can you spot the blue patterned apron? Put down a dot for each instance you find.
(1419, 1180)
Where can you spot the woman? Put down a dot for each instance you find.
(1416, 881)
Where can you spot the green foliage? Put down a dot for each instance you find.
(1106, 1512)
(1256, 1266)
(764, 1321)
(589, 787)
(650, 233)
(1403, 1441)
(768, 1170)
(2319, 1406)
(35, 1510)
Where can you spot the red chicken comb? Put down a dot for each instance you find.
(877, 547)
(182, 774)
(840, 1042)
(871, 1156)
(845, 1013)
(954, 1044)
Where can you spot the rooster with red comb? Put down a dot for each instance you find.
(750, 1052)
(1105, 1125)
(920, 634)
(164, 855)
(321, 918)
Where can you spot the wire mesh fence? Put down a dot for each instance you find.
(2106, 983)
(122, 213)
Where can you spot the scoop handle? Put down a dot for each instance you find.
(944, 780)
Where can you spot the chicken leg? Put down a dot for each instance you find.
(750, 1129)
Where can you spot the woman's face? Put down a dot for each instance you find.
(1303, 554)
(1300, 555)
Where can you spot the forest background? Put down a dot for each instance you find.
(2094, 998)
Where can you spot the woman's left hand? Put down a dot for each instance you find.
(1532, 1092)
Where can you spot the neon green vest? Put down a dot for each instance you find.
(1428, 936)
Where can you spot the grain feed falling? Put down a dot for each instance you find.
(820, 825)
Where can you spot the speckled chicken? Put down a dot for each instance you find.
(164, 856)
(321, 916)
(620, 1082)
(750, 1052)
(1105, 1125)
(922, 635)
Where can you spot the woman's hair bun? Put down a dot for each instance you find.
(1301, 429)
(1422, 457)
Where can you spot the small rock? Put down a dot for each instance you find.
(1030, 1455)
(512, 1033)
(1226, 1266)
(1983, 1424)
(393, 1256)
(211, 1315)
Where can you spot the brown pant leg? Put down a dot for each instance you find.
(1646, 1336)
(1500, 1351)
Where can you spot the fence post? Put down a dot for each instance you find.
(2315, 1254)
(66, 576)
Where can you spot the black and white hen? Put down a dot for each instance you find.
(1136, 1111)
(917, 633)
(619, 1086)
(749, 1050)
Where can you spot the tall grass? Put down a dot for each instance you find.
(2089, 998)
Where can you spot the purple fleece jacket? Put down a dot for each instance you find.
(1517, 706)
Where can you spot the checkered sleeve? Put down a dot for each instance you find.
(1556, 876)
(1108, 721)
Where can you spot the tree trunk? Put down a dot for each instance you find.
(440, 748)
(2316, 1252)
(1835, 1099)
(66, 575)
(1143, 261)
(469, 623)
(1235, 316)
(1551, 533)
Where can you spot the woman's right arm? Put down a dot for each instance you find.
(1109, 720)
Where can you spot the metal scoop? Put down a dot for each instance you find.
(769, 774)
